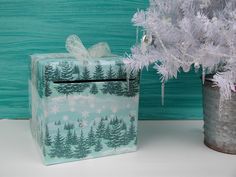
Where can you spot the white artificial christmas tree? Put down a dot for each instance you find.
(179, 34)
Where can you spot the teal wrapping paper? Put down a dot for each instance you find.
(88, 99)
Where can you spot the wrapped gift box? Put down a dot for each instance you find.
(82, 108)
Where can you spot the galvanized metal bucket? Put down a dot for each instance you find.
(219, 120)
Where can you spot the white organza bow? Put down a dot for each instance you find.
(75, 47)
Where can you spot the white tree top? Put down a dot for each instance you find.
(182, 33)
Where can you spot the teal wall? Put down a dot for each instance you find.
(41, 26)
(183, 97)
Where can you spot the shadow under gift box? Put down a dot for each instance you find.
(82, 108)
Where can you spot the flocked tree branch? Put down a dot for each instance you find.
(180, 33)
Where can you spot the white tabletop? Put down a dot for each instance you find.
(166, 149)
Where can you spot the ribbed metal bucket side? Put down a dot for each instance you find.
(219, 120)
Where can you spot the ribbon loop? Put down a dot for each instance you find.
(76, 48)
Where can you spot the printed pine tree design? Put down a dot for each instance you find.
(66, 71)
(94, 89)
(91, 140)
(98, 145)
(57, 149)
(48, 91)
(48, 74)
(110, 134)
(69, 126)
(81, 119)
(68, 153)
(109, 87)
(57, 122)
(82, 149)
(85, 76)
(99, 73)
(132, 87)
(56, 76)
(65, 75)
(106, 134)
(77, 88)
(115, 138)
(74, 139)
(124, 138)
(118, 86)
(100, 129)
(76, 71)
(66, 89)
(131, 133)
(40, 82)
(69, 138)
(48, 140)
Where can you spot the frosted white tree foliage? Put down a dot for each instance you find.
(180, 34)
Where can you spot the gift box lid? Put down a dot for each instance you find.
(96, 64)
(44, 65)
